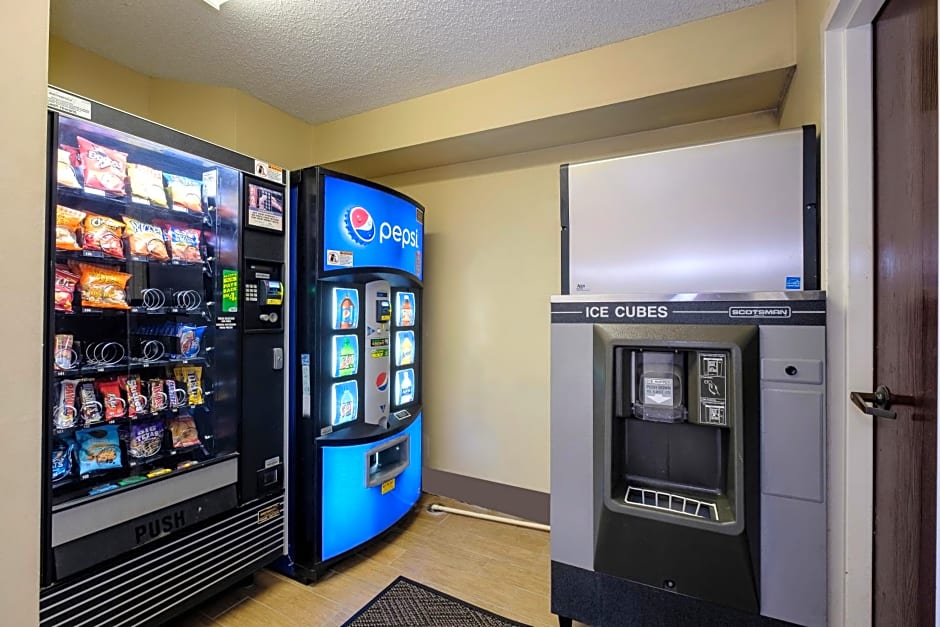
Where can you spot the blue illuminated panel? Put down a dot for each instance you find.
(365, 227)
(354, 514)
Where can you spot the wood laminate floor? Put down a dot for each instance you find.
(501, 568)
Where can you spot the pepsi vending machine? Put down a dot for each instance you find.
(356, 390)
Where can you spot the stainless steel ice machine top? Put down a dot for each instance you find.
(688, 459)
(738, 215)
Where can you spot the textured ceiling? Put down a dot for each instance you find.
(325, 59)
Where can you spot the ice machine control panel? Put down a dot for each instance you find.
(674, 385)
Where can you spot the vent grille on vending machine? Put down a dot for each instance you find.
(148, 587)
(674, 503)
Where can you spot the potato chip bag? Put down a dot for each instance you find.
(99, 448)
(65, 175)
(147, 184)
(65, 283)
(183, 430)
(102, 287)
(103, 234)
(186, 193)
(105, 169)
(184, 243)
(61, 459)
(146, 240)
(67, 223)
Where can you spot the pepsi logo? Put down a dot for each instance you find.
(360, 225)
(381, 382)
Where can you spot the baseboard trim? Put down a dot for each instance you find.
(521, 502)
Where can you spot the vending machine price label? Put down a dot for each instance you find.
(388, 486)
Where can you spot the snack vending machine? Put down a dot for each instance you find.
(355, 395)
(163, 415)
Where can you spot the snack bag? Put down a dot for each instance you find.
(146, 439)
(105, 169)
(65, 175)
(147, 184)
(63, 356)
(91, 408)
(67, 223)
(183, 430)
(191, 376)
(99, 448)
(186, 193)
(103, 234)
(114, 405)
(184, 243)
(146, 240)
(65, 283)
(190, 340)
(61, 459)
(102, 287)
(66, 413)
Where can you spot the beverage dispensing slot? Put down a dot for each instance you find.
(387, 461)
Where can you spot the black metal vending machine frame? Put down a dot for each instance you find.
(163, 413)
(388, 436)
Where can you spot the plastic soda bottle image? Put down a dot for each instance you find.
(346, 313)
(347, 359)
(346, 406)
(407, 313)
(406, 389)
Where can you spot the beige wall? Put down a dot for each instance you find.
(803, 104)
(221, 115)
(22, 179)
(492, 262)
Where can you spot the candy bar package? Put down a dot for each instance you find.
(99, 448)
(65, 283)
(172, 397)
(146, 439)
(186, 193)
(102, 287)
(65, 415)
(102, 234)
(184, 243)
(183, 430)
(65, 175)
(136, 403)
(158, 398)
(68, 221)
(61, 459)
(147, 185)
(146, 240)
(114, 405)
(91, 409)
(105, 169)
(191, 378)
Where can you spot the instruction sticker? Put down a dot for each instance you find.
(339, 258)
(657, 391)
(67, 103)
(271, 172)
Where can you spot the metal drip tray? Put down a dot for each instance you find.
(674, 503)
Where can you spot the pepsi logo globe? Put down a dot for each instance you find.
(360, 225)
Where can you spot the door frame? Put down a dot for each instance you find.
(848, 194)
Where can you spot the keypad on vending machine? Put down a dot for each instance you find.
(251, 292)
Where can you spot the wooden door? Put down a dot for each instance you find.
(905, 80)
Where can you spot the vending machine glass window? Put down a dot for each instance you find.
(143, 263)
